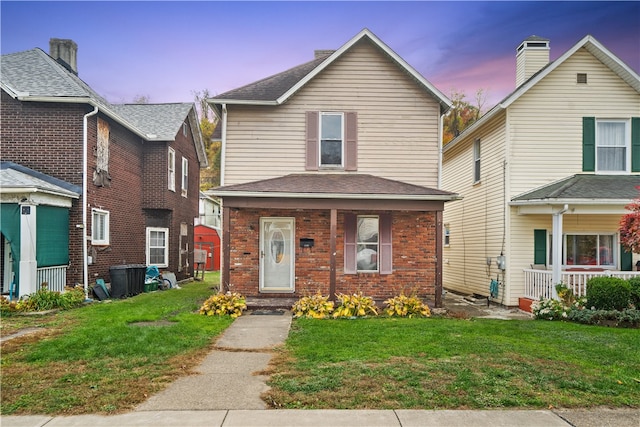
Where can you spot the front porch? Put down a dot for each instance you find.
(540, 284)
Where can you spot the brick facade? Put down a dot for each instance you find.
(414, 254)
(47, 137)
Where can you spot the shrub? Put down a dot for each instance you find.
(608, 293)
(551, 309)
(356, 305)
(229, 304)
(44, 299)
(626, 318)
(634, 288)
(404, 306)
(313, 307)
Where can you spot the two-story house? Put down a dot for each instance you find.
(90, 185)
(330, 178)
(545, 176)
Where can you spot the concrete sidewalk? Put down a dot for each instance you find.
(341, 418)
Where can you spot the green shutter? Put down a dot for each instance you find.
(540, 247)
(626, 260)
(635, 144)
(588, 144)
(52, 236)
(10, 228)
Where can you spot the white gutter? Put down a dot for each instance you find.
(85, 264)
(224, 143)
(440, 147)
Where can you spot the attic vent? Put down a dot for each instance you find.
(581, 78)
(533, 45)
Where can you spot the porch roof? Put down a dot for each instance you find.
(334, 186)
(585, 189)
(15, 178)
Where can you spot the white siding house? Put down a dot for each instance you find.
(559, 160)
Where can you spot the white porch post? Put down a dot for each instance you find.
(557, 249)
(28, 264)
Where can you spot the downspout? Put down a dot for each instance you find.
(85, 164)
(557, 249)
(224, 143)
(440, 147)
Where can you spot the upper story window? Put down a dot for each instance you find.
(612, 145)
(99, 227)
(185, 176)
(184, 128)
(476, 161)
(171, 160)
(331, 139)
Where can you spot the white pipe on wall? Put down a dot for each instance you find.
(85, 165)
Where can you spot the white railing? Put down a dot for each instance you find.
(539, 283)
(56, 277)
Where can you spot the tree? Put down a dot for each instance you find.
(141, 99)
(462, 114)
(209, 177)
(630, 227)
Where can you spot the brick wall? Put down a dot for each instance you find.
(414, 250)
(47, 137)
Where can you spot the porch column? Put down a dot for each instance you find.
(28, 264)
(332, 249)
(556, 275)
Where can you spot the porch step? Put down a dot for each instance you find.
(254, 303)
(476, 299)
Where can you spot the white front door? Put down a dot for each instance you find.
(277, 254)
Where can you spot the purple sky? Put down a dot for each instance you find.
(167, 50)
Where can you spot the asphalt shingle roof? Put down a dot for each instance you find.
(33, 74)
(611, 187)
(16, 176)
(273, 87)
(344, 184)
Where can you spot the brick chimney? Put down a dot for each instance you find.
(531, 56)
(65, 51)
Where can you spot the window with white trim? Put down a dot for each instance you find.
(586, 250)
(99, 227)
(367, 244)
(476, 161)
(172, 169)
(613, 142)
(158, 246)
(185, 176)
(331, 139)
(447, 235)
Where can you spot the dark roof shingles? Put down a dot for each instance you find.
(614, 187)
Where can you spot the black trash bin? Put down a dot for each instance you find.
(136, 274)
(127, 279)
(119, 281)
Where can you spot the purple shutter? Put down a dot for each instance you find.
(385, 259)
(311, 159)
(351, 143)
(350, 230)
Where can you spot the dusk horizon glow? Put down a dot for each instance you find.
(166, 51)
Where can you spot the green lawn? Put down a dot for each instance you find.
(100, 358)
(442, 363)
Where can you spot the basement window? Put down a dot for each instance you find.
(581, 78)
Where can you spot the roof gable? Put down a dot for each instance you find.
(33, 75)
(601, 53)
(277, 89)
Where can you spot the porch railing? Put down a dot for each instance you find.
(539, 283)
(56, 277)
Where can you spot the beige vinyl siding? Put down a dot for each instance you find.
(521, 235)
(545, 124)
(476, 222)
(398, 123)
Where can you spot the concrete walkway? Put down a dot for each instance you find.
(225, 392)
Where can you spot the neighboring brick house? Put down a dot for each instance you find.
(141, 174)
(329, 178)
(545, 177)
